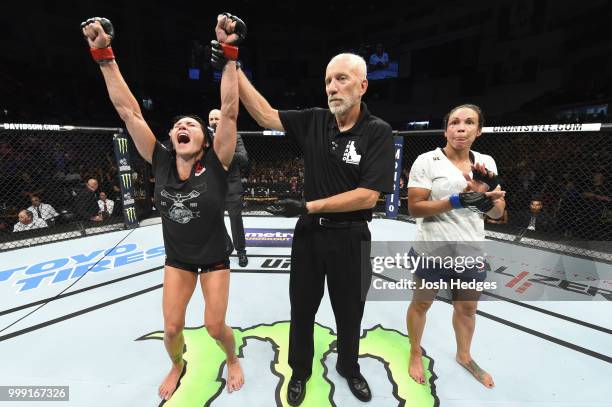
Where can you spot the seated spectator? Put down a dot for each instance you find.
(86, 205)
(541, 220)
(106, 206)
(27, 222)
(42, 210)
(379, 59)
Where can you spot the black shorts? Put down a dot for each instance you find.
(199, 268)
(438, 272)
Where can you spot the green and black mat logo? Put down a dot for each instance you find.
(203, 383)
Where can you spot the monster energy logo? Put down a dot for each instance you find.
(126, 180)
(202, 382)
(131, 214)
(122, 143)
(124, 166)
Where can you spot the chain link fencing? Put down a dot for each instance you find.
(557, 181)
(44, 172)
(556, 177)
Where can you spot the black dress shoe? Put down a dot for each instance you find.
(296, 391)
(358, 385)
(243, 260)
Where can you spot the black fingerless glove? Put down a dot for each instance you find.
(223, 52)
(102, 55)
(491, 179)
(288, 208)
(104, 22)
(475, 201)
(240, 29)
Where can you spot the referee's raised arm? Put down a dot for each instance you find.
(257, 106)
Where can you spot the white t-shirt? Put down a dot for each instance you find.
(46, 210)
(37, 223)
(434, 171)
(109, 206)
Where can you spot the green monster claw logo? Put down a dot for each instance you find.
(123, 144)
(202, 382)
(126, 179)
(131, 214)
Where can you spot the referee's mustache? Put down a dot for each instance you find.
(334, 99)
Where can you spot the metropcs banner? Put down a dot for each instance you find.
(257, 237)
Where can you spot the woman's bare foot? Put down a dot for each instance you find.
(415, 368)
(235, 377)
(476, 371)
(168, 386)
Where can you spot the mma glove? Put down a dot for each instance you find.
(475, 201)
(223, 52)
(102, 55)
(288, 208)
(490, 178)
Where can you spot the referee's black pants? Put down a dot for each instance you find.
(336, 253)
(233, 205)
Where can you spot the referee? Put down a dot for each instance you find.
(348, 160)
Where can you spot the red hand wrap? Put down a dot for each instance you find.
(230, 51)
(102, 54)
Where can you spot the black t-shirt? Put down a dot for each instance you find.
(336, 162)
(192, 210)
(86, 204)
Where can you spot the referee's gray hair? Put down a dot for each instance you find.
(357, 62)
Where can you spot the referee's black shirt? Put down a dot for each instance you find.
(336, 162)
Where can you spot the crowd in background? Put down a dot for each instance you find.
(558, 185)
(274, 178)
(48, 181)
